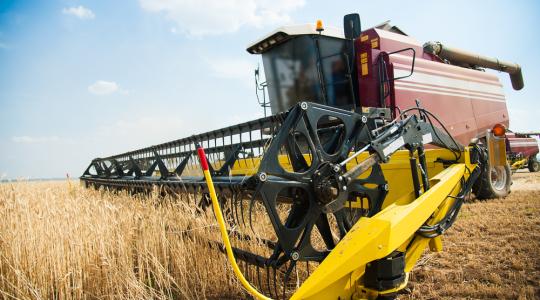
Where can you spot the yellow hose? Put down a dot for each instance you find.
(223, 230)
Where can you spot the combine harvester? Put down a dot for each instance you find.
(372, 145)
(522, 150)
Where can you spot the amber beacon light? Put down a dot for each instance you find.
(499, 130)
(319, 27)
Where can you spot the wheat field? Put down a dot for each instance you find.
(61, 241)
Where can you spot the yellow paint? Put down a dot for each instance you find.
(358, 203)
(364, 69)
(496, 150)
(435, 244)
(374, 43)
(340, 274)
(363, 57)
(364, 63)
(519, 164)
(364, 38)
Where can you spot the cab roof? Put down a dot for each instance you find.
(285, 33)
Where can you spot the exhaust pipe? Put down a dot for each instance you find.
(468, 59)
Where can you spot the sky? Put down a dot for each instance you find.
(85, 79)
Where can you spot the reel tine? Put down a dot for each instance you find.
(268, 281)
(292, 265)
(225, 207)
(241, 198)
(201, 206)
(259, 284)
(246, 271)
(230, 212)
(182, 197)
(232, 209)
(193, 197)
(251, 203)
(275, 281)
(190, 196)
(250, 272)
(234, 199)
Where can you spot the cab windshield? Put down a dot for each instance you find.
(308, 68)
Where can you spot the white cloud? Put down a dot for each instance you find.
(210, 17)
(24, 139)
(80, 12)
(102, 87)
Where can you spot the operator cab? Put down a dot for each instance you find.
(307, 63)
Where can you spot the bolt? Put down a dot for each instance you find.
(340, 178)
(295, 256)
(304, 105)
(263, 177)
(335, 168)
(385, 187)
(344, 188)
(364, 119)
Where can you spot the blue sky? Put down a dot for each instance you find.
(82, 79)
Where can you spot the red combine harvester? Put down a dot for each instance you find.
(522, 150)
(373, 143)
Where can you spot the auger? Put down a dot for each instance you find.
(337, 197)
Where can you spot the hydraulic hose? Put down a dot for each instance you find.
(223, 228)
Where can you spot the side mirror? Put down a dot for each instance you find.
(351, 26)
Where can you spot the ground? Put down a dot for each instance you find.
(59, 240)
(493, 250)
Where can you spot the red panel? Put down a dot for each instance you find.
(455, 112)
(467, 101)
(525, 146)
(367, 75)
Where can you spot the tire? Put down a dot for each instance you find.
(534, 165)
(494, 182)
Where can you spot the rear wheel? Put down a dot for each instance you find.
(494, 182)
(534, 165)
